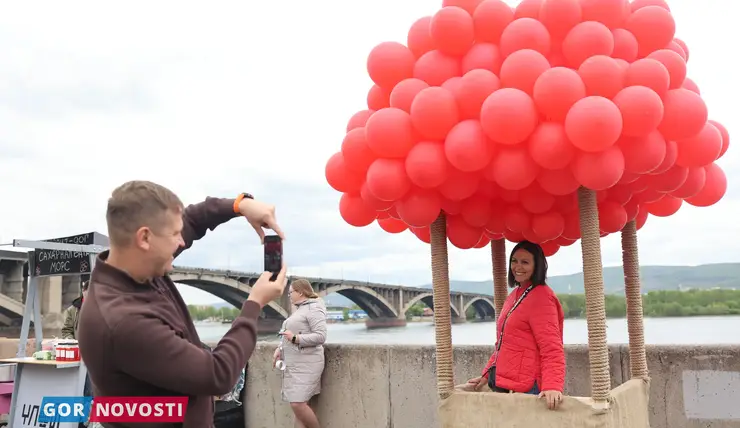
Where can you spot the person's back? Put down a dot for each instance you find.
(135, 334)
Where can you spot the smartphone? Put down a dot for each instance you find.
(273, 255)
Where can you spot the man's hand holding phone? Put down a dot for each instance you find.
(264, 291)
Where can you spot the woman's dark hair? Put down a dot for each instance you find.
(539, 274)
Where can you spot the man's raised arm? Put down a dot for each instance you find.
(204, 216)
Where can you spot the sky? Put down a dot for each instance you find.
(255, 97)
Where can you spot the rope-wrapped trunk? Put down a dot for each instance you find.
(593, 281)
(441, 296)
(500, 271)
(631, 265)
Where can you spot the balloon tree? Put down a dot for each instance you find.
(553, 121)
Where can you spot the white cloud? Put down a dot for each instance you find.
(245, 96)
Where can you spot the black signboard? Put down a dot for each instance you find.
(58, 262)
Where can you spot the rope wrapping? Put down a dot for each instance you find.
(500, 272)
(631, 265)
(442, 316)
(593, 281)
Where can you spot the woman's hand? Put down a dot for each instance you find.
(288, 335)
(475, 384)
(275, 356)
(553, 398)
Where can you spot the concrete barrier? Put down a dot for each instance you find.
(395, 386)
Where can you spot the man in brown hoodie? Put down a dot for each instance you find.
(135, 333)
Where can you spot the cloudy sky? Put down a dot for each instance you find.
(255, 96)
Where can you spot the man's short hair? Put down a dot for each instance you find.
(136, 204)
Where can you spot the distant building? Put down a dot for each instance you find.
(335, 315)
(357, 314)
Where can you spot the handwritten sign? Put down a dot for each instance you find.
(58, 262)
(30, 417)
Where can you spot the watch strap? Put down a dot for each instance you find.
(239, 199)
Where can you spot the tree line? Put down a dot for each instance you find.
(669, 303)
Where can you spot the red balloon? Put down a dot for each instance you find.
(476, 210)
(387, 179)
(694, 183)
(516, 219)
(404, 93)
(354, 211)
(683, 47)
(668, 181)
(452, 84)
(549, 248)
(602, 75)
(684, 116)
(467, 147)
(559, 16)
(556, 90)
(423, 233)
(612, 217)
(653, 27)
(714, 188)
(508, 116)
(426, 164)
(643, 154)
(671, 153)
(341, 178)
(648, 72)
(528, 9)
(391, 225)
(522, 68)
(359, 119)
(419, 207)
(675, 47)
(639, 4)
(484, 56)
(473, 89)
(725, 137)
(558, 182)
(419, 40)
(512, 168)
(434, 112)
(611, 13)
(435, 68)
(642, 110)
(378, 98)
(452, 30)
(490, 19)
(461, 234)
(675, 65)
(496, 223)
(599, 171)
(357, 154)
(374, 203)
(389, 63)
(390, 133)
(625, 45)
(593, 124)
(664, 207)
(467, 5)
(535, 199)
(548, 225)
(701, 149)
(549, 146)
(586, 40)
(525, 33)
(459, 185)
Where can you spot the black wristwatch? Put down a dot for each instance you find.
(293, 339)
(239, 198)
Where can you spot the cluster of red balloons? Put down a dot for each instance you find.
(497, 115)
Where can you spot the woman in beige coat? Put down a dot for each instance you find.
(302, 351)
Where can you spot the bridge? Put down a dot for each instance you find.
(386, 305)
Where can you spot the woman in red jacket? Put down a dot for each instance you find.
(529, 355)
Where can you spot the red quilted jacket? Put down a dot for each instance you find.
(532, 346)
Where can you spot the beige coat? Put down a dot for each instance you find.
(304, 362)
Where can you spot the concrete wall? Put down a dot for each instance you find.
(395, 386)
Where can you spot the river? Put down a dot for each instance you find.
(658, 331)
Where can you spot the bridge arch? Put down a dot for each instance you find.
(484, 307)
(428, 299)
(374, 305)
(230, 290)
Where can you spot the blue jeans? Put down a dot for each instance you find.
(535, 390)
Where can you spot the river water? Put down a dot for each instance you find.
(658, 331)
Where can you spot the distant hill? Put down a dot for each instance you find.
(653, 278)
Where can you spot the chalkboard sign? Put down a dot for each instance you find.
(56, 262)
